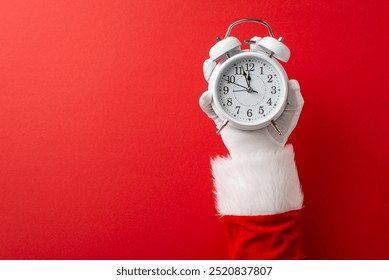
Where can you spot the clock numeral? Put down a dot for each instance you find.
(261, 111)
(230, 79)
(261, 70)
(270, 78)
(249, 66)
(269, 102)
(237, 109)
(273, 90)
(229, 101)
(226, 89)
(250, 112)
(246, 67)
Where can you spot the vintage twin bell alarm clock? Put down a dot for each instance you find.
(249, 86)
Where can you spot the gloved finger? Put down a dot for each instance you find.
(208, 67)
(289, 118)
(295, 99)
(205, 102)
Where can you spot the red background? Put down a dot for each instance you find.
(104, 152)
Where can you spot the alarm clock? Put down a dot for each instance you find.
(249, 86)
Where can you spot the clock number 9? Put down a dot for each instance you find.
(226, 89)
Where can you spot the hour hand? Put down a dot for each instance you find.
(249, 79)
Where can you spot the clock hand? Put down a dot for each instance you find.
(249, 79)
(237, 90)
(237, 84)
(246, 88)
(245, 77)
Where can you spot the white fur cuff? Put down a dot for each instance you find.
(257, 184)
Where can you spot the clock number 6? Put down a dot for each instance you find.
(250, 112)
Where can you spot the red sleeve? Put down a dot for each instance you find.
(268, 237)
(259, 198)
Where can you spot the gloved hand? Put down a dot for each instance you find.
(241, 142)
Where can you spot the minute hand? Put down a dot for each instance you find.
(246, 88)
(245, 76)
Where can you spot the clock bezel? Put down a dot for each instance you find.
(216, 76)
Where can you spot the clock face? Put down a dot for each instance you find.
(251, 88)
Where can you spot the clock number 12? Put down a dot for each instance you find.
(246, 67)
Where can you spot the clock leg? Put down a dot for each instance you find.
(276, 128)
(223, 125)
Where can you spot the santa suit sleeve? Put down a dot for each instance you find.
(259, 198)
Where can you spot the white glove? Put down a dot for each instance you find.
(241, 142)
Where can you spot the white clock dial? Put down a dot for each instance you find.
(249, 89)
